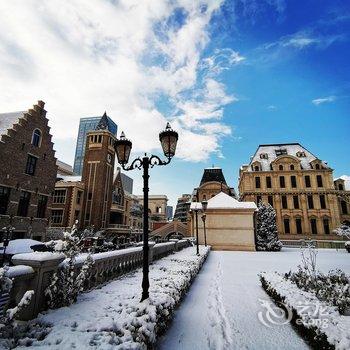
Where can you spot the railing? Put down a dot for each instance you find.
(318, 243)
(34, 270)
(120, 226)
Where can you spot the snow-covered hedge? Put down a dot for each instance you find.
(319, 322)
(113, 316)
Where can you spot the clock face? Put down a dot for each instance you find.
(109, 158)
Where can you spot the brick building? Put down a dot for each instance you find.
(298, 185)
(27, 171)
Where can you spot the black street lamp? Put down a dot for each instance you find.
(9, 230)
(168, 139)
(204, 216)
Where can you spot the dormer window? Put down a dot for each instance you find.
(264, 156)
(317, 166)
(301, 154)
(256, 168)
(36, 138)
(280, 152)
(292, 167)
(280, 167)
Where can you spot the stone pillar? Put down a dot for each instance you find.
(44, 265)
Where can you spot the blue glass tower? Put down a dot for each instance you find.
(86, 125)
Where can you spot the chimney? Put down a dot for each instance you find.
(41, 104)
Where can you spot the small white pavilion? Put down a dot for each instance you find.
(229, 223)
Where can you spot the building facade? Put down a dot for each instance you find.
(298, 185)
(342, 186)
(157, 205)
(169, 212)
(97, 176)
(128, 183)
(67, 202)
(27, 172)
(86, 125)
(212, 183)
(182, 208)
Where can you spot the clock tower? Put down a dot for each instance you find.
(97, 175)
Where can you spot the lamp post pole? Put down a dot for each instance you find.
(197, 240)
(145, 267)
(168, 139)
(205, 233)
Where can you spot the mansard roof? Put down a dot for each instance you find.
(213, 174)
(268, 153)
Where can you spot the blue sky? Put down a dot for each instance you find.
(229, 75)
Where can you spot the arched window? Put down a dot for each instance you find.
(317, 166)
(292, 167)
(36, 138)
(256, 168)
(341, 187)
(280, 167)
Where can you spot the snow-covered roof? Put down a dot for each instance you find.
(291, 149)
(70, 178)
(8, 119)
(224, 201)
(18, 246)
(346, 179)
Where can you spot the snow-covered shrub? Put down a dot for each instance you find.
(344, 231)
(333, 288)
(10, 330)
(66, 284)
(266, 232)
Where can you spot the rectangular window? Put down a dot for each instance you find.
(42, 204)
(323, 201)
(313, 223)
(282, 182)
(286, 226)
(270, 200)
(293, 181)
(326, 229)
(284, 202)
(79, 194)
(31, 165)
(296, 202)
(280, 152)
(257, 182)
(56, 216)
(23, 204)
(258, 200)
(59, 197)
(310, 201)
(268, 182)
(4, 199)
(298, 226)
(344, 207)
(319, 181)
(307, 181)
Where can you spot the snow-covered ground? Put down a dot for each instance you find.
(112, 317)
(221, 309)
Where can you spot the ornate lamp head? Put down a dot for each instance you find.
(168, 139)
(204, 205)
(123, 148)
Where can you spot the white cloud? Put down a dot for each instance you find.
(271, 108)
(85, 57)
(319, 101)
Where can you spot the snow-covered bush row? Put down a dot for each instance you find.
(332, 288)
(319, 322)
(113, 316)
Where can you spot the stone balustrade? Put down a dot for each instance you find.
(33, 271)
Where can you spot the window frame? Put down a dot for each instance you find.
(37, 138)
(31, 164)
(23, 204)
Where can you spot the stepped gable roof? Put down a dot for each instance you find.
(213, 174)
(224, 201)
(275, 150)
(7, 120)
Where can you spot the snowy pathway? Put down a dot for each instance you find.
(222, 306)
